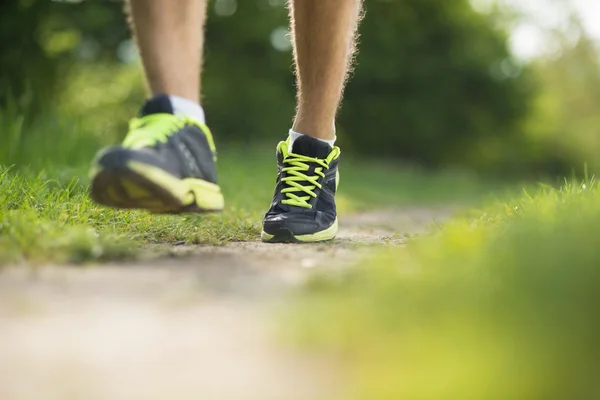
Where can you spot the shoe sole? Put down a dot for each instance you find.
(135, 185)
(285, 235)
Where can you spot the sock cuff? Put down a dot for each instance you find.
(295, 135)
(187, 107)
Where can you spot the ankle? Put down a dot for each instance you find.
(319, 128)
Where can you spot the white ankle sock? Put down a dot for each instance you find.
(187, 107)
(296, 135)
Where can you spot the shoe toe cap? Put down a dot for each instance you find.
(298, 225)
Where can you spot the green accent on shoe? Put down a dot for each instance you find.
(166, 164)
(296, 173)
(303, 207)
(145, 186)
(148, 130)
(327, 234)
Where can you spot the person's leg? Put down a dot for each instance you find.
(324, 36)
(166, 163)
(170, 38)
(303, 208)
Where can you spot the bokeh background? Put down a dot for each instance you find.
(474, 85)
(449, 99)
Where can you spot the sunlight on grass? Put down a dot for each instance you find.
(499, 305)
(48, 216)
(43, 219)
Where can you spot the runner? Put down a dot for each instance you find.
(166, 164)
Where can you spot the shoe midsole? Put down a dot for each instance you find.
(326, 234)
(205, 194)
(188, 191)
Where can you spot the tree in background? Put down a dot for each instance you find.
(41, 40)
(564, 127)
(248, 83)
(435, 83)
(24, 63)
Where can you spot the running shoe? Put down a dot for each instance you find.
(303, 207)
(166, 164)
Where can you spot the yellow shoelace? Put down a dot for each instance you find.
(148, 130)
(296, 173)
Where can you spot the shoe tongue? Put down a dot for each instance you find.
(159, 104)
(311, 147)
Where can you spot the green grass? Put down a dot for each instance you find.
(43, 219)
(500, 304)
(48, 216)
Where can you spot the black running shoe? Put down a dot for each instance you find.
(303, 208)
(166, 164)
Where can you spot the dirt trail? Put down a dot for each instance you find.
(191, 325)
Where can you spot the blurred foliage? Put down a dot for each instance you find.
(435, 84)
(435, 81)
(40, 41)
(48, 216)
(25, 64)
(564, 126)
(501, 305)
(248, 84)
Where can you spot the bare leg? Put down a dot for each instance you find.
(324, 36)
(170, 37)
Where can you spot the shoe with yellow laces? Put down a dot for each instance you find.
(166, 164)
(303, 207)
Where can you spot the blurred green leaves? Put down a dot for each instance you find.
(564, 126)
(430, 87)
(435, 83)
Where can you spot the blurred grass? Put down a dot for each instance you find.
(47, 216)
(501, 304)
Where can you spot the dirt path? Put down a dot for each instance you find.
(191, 325)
